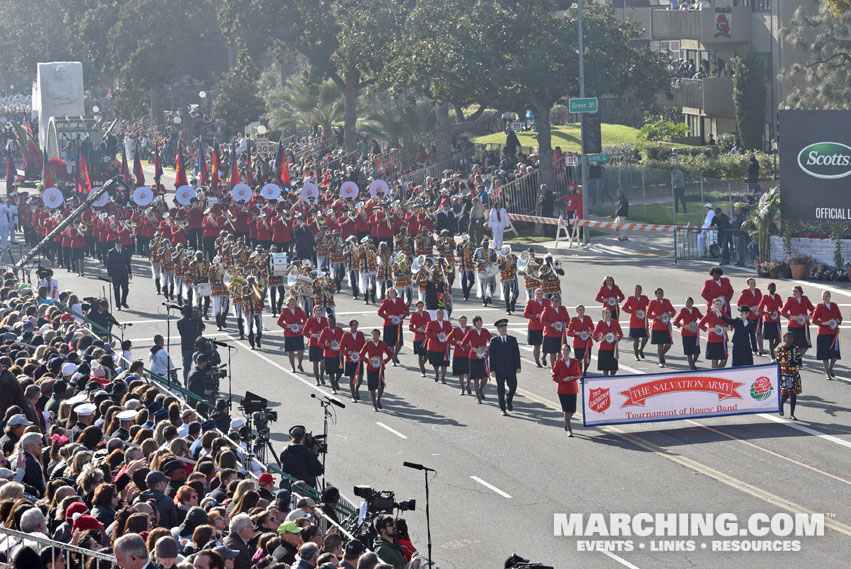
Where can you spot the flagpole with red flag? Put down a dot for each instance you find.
(215, 166)
(158, 167)
(248, 173)
(180, 176)
(137, 170)
(234, 169)
(282, 172)
(11, 170)
(125, 167)
(46, 175)
(82, 179)
(203, 177)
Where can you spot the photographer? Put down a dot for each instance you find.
(200, 380)
(99, 314)
(190, 328)
(299, 461)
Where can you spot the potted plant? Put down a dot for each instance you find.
(798, 265)
(760, 223)
(772, 268)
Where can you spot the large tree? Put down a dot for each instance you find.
(749, 97)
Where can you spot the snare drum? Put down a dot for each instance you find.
(204, 289)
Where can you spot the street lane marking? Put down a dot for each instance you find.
(807, 430)
(620, 560)
(391, 429)
(490, 487)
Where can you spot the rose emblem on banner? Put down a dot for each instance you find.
(761, 389)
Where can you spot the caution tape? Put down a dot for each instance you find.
(534, 218)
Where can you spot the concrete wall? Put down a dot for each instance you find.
(821, 250)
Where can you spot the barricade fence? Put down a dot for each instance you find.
(11, 540)
(721, 245)
(460, 162)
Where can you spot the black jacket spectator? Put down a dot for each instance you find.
(11, 393)
(165, 506)
(301, 463)
(446, 220)
(34, 475)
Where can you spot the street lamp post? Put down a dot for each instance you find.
(584, 160)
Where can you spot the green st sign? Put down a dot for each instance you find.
(585, 105)
(597, 158)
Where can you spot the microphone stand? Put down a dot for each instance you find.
(425, 470)
(326, 404)
(168, 310)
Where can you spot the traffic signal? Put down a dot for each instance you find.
(592, 138)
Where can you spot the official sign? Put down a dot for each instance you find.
(584, 105)
(612, 400)
(815, 165)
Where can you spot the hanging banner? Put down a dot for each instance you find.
(612, 400)
(723, 22)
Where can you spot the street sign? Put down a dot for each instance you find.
(597, 158)
(585, 105)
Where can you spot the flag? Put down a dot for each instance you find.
(11, 171)
(203, 178)
(47, 175)
(137, 170)
(158, 167)
(248, 172)
(234, 169)
(215, 166)
(125, 168)
(81, 175)
(180, 176)
(282, 172)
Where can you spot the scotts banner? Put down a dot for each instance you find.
(610, 400)
(815, 165)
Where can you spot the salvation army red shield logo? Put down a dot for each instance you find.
(599, 400)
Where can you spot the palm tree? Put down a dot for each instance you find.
(300, 104)
(404, 124)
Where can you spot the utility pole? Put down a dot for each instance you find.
(584, 161)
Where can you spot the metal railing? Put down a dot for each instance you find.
(11, 539)
(459, 162)
(521, 194)
(722, 245)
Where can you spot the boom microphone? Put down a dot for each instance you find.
(330, 400)
(416, 466)
(172, 306)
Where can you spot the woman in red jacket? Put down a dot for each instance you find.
(292, 320)
(438, 331)
(534, 329)
(460, 361)
(610, 296)
(417, 325)
(797, 311)
(608, 333)
(581, 329)
(555, 320)
(394, 311)
(828, 317)
(566, 372)
(661, 312)
(350, 346)
(636, 307)
(330, 339)
(687, 320)
(373, 355)
(717, 287)
(716, 341)
(478, 341)
(312, 330)
(769, 308)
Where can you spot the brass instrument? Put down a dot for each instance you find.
(232, 278)
(299, 284)
(418, 264)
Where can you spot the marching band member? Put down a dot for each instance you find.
(751, 298)
(498, 221)
(198, 273)
(828, 317)
(660, 312)
(460, 361)
(636, 307)
(566, 372)
(394, 311)
(353, 254)
(312, 330)
(581, 329)
(610, 296)
(330, 340)
(422, 243)
(402, 280)
(717, 287)
(508, 278)
(307, 301)
(236, 295)
(466, 265)
(555, 320)
(373, 354)
(534, 328)
(769, 307)
(210, 229)
(446, 251)
(797, 311)
(276, 285)
(168, 257)
(687, 320)
(530, 283)
(337, 258)
(608, 333)
(252, 308)
(438, 332)
(716, 341)
(292, 320)
(178, 273)
(436, 293)
(188, 289)
(418, 323)
(323, 289)
(550, 273)
(383, 277)
(484, 256)
(156, 260)
(477, 340)
(218, 292)
(323, 251)
(368, 269)
(350, 346)
(422, 278)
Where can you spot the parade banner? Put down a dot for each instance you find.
(612, 400)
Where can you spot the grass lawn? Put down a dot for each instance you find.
(566, 136)
(658, 213)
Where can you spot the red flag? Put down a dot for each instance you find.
(249, 173)
(282, 172)
(46, 175)
(125, 168)
(234, 170)
(215, 166)
(158, 167)
(11, 170)
(203, 176)
(82, 179)
(137, 170)
(180, 176)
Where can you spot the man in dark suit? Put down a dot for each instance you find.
(446, 218)
(31, 444)
(504, 359)
(119, 272)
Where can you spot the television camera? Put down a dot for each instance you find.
(256, 410)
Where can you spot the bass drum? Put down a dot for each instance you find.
(279, 264)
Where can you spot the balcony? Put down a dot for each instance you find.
(713, 96)
(700, 25)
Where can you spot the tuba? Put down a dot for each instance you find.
(418, 264)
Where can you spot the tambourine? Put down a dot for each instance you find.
(294, 328)
(375, 361)
(639, 314)
(585, 334)
(610, 337)
(692, 326)
(774, 315)
(480, 352)
(612, 301)
(395, 319)
(800, 318)
(719, 330)
(335, 345)
(354, 357)
(666, 317)
(832, 323)
(558, 326)
(442, 337)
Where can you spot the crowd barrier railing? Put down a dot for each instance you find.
(10, 539)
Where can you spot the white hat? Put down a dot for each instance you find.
(19, 419)
(85, 409)
(128, 415)
(68, 368)
(548, 256)
(236, 424)
(709, 205)
(132, 404)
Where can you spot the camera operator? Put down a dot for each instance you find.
(386, 546)
(99, 314)
(299, 461)
(200, 379)
(190, 328)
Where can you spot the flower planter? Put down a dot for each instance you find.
(774, 273)
(798, 271)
